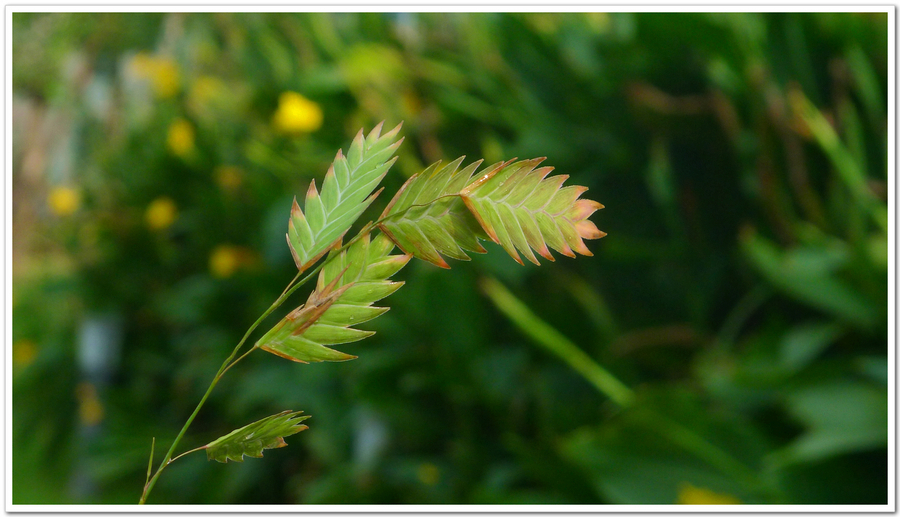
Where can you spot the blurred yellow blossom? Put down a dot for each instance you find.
(225, 259)
(228, 177)
(600, 22)
(428, 474)
(160, 71)
(207, 91)
(161, 213)
(24, 352)
(689, 494)
(181, 137)
(297, 114)
(206, 87)
(547, 23)
(90, 409)
(64, 200)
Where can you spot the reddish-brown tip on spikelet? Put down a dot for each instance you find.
(583, 208)
(588, 230)
(311, 192)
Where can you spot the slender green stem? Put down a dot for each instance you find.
(185, 453)
(222, 369)
(231, 361)
(165, 462)
(236, 361)
(150, 463)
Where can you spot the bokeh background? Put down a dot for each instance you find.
(740, 297)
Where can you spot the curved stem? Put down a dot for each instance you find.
(236, 361)
(186, 453)
(292, 286)
(222, 369)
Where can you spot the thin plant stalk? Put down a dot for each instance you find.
(231, 361)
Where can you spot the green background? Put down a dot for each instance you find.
(741, 292)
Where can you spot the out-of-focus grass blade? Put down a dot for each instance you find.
(867, 85)
(848, 169)
(803, 343)
(554, 342)
(840, 416)
(817, 286)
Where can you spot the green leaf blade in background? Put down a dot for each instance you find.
(640, 456)
(252, 439)
(841, 416)
(809, 275)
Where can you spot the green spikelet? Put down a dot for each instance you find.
(347, 287)
(346, 193)
(520, 208)
(252, 439)
(427, 218)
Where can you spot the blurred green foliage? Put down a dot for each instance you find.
(741, 293)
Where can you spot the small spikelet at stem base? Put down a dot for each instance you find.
(252, 439)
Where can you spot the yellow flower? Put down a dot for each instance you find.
(600, 22)
(181, 137)
(689, 494)
(161, 213)
(224, 260)
(90, 409)
(165, 79)
(24, 352)
(64, 200)
(545, 23)
(162, 73)
(297, 114)
(209, 93)
(228, 177)
(428, 474)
